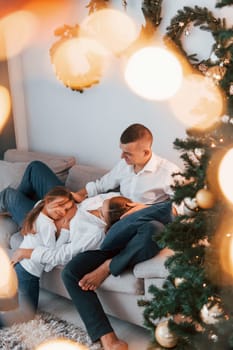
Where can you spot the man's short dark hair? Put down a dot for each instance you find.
(134, 133)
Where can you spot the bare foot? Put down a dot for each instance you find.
(111, 342)
(92, 280)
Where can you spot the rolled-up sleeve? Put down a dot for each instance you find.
(108, 182)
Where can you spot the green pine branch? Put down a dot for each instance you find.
(223, 3)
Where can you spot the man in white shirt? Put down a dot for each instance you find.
(140, 175)
(143, 177)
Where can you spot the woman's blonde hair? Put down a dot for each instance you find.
(28, 224)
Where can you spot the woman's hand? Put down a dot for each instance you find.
(20, 254)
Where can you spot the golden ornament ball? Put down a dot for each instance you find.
(205, 199)
(164, 336)
(178, 281)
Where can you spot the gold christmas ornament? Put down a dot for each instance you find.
(211, 314)
(178, 281)
(205, 199)
(164, 336)
(78, 62)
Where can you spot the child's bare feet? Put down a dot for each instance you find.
(93, 279)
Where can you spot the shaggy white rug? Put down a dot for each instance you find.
(28, 335)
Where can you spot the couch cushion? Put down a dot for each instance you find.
(7, 227)
(153, 267)
(79, 175)
(59, 164)
(11, 173)
(124, 283)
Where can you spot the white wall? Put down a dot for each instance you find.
(88, 125)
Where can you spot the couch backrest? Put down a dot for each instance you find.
(59, 164)
(79, 175)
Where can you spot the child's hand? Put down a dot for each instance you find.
(64, 222)
(20, 254)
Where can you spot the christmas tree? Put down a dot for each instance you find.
(195, 304)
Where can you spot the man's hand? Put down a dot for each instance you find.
(133, 208)
(80, 195)
(20, 254)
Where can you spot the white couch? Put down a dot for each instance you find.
(119, 295)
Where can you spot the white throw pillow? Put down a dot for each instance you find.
(11, 173)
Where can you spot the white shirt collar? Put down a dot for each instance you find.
(151, 165)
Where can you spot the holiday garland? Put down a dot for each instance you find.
(222, 70)
(198, 17)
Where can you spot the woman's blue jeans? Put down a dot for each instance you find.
(37, 180)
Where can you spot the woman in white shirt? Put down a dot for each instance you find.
(58, 224)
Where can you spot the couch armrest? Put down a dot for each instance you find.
(59, 164)
(7, 228)
(154, 267)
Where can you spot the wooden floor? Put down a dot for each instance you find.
(138, 338)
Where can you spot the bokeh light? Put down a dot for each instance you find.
(153, 73)
(198, 103)
(8, 283)
(61, 344)
(225, 175)
(16, 32)
(5, 106)
(79, 62)
(112, 28)
(222, 244)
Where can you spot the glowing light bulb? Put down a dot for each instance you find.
(198, 103)
(113, 29)
(61, 344)
(225, 175)
(16, 32)
(8, 283)
(5, 106)
(153, 73)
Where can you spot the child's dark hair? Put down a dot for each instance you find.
(117, 207)
(28, 224)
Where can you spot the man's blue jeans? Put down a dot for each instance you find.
(128, 242)
(37, 180)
